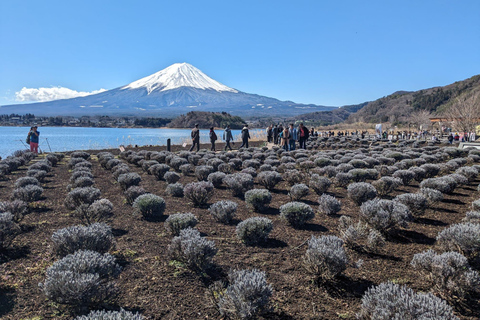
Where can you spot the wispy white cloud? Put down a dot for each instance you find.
(48, 94)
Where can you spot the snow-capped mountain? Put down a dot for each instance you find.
(175, 90)
(176, 76)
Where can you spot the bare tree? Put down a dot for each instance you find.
(420, 118)
(465, 111)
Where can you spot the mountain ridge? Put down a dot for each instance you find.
(173, 91)
(399, 106)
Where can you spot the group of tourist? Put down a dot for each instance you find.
(288, 137)
(463, 137)
(227, 137)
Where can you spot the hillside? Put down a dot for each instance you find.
(399, 106)
(207, 120)
(324, 118)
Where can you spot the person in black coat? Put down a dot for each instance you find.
(213, 138)
(245, 137)
(275, 134)
(227, 136)
(280, 130)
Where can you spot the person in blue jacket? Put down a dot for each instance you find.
(293, 137)
(33, 135)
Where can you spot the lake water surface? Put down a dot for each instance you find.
(57, 139)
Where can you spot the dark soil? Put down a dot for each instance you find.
(160, 290)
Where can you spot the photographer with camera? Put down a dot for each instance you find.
(33, 138)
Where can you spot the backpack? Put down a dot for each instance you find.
(28, 139)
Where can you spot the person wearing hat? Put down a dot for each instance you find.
(195, 138)
(33, 137)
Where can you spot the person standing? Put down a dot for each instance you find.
(213, 138)
(280, 129)
(275, 134)
(303, 136)
(269, 133)
(245, 137)
(33, 135)
(450, 138)
(227, 136)
(285, 138)
(293, 137)
(195, 138)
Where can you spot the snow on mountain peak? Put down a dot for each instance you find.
(178, 75)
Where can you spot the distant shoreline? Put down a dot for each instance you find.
(106, 127)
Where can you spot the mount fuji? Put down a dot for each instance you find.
(175, 90)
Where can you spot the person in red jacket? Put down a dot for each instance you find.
(302, 136)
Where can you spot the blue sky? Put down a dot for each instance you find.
(322, 52)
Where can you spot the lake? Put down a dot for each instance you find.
(57, 139)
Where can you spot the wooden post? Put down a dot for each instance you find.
(169, 141)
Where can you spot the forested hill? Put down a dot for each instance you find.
(324, 118)
(207, 120)
(399, 106)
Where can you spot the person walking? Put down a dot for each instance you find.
(285, 137)
(227, 136)
(213, 138)
(303, 136)
(195, 138)
(245, 137)
(33, 137)
(293, 137)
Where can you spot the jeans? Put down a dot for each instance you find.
(291, 144)
(227, 145)
(213, 146)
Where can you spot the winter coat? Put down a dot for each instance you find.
(285, 135)
(213, 136)
(269, 132)
(195, 134)
(275, 131)
(293, 134)
(245, 134)
(305, 133)
(227, 135)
